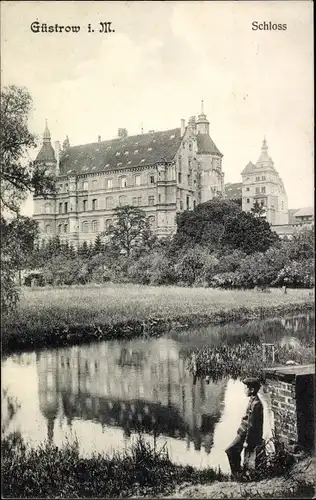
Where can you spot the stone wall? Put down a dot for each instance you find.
(283, 405)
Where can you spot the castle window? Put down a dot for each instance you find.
(66, 207)
(60, 187)
(48, 228)
(159, 198)
(95, 226)
(263, 190)
(263, 178)
(109, 183)
(248, 200)
(139, 201)
(257, 190)
(179, 177)
(66, 187)
(60, 208)
(85, 185)
(134, 202)
(108, 223)
(47, 208)
(151, 200)
(282, 205)
(94, 204)
(183, 145)
(152, 221)
(84, 205)
(181, 205)
(151, 179)
(188, 202)
(122, 201)
(65, 228)
(194, 204)
(109, 202)
(137, 180)
(258, 178)
(85, 227)
(123, 182)
(190, 146)
(94, 184)
(59, 228)
(247, 189)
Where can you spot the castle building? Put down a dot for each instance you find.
(261, 183)
(163, 173)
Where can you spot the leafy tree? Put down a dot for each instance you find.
(248, 233)
(130, 230)
(302, 245)
(19, 176)
(205, 225)
(257, 210)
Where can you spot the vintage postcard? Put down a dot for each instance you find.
(157, 249)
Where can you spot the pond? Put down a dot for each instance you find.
(103, 394)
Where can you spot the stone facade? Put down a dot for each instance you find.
(261, 183)
(163, 173)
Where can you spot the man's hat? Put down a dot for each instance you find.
(252, 382)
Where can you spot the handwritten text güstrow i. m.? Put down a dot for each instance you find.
(101, 27)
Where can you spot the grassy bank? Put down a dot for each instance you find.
(51, 472)
(70, 315)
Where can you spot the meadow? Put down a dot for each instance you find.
(67, 315)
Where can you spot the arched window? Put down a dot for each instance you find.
(95, 226)
(48, 208)
(109, 202)
(123, 182)
(108, 223)
(122, 201)
(152, 220)
(65, 228)
(84, 205)
(94, 204)
(48, 228)
(60, 227)
(85, 227)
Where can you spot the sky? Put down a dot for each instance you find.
(162, 59)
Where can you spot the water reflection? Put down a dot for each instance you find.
(105, 392)
(134, 386)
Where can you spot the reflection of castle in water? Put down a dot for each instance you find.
(296, 323)
(135, 386)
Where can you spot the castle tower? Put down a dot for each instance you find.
(46, 156)
(202, 124)
(262, 185)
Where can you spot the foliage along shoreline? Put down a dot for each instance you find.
(22, 337)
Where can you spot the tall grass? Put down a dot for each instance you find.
(69, 315)
(51, 472)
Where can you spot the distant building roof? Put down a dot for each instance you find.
(122, 152)
(206, 145)
(305, 211)
(46, 153)
(233, 191)
(249, 168)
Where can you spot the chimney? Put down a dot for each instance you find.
(57, 153)
(182, 127)
(99, 138)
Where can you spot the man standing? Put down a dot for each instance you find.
(249, 433)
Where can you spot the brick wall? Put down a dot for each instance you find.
(283, 405)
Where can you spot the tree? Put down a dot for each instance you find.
(257, 210)
(130, 229)
(98, 246)
(19, 176)
(248, 233)
(205, 225)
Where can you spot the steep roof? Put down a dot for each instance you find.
(233, 191)
(46, 153)
(206, 145)
(304, 211)
(249, 168)
(122, 152)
